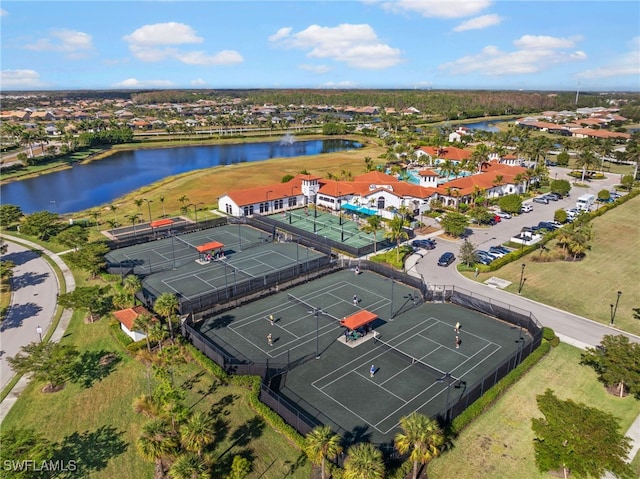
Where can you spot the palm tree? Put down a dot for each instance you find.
(165, 306)
(197, 433)
(396, 233)
(422, 437)
(157, 443)
(142, 323)
(95, 214)
(147, 405)
(131, 286)
(157, 332)
(113, 224)
(184, 199)
(134, 219)
(372, 226)
(321, 443)
(164, 213)
(138, 202)
(189, 466)
(363, 462)
(113, 209)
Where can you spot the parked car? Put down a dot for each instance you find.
(488, 254)
(483, 259)
(446, 259)
(423, 243)
(615, 195)
(526, 208)
(502, 214)
(497, 218)
(541, 199)
(547, 225)
(552, 196)
(499, 250)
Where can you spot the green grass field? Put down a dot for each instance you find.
(499, 444)
(588, 287)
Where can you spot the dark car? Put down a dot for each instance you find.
(424, 243)
(446, 259)
(541, 199)
(547, 225)
(552, 196)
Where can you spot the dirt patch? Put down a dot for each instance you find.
(615, 391)
(52, 389)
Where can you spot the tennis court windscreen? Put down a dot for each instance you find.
(410, 359)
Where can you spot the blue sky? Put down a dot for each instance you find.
(448, 44)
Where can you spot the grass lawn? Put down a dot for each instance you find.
(97, 424)
(589, 286)
(499, 444)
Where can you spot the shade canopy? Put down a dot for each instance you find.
(358, 319)
(203, 248)
(158, 223)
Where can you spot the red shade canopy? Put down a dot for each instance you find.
(209, 246)
(158, 223)
(358, 319)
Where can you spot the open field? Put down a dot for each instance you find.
(589, 286)
(499, 444)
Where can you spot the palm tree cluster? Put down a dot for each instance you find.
(574, 239)
(421, 439)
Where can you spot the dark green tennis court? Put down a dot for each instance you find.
(411, 344)
(345, 230)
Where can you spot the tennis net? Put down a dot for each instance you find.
(310, 308)
(183, 241)
(340, 230)
(235, 268)
(411, 359)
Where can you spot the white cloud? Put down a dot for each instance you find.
(20, 80)
(134, 83)
(438, 8)
(535, 42)
(225, 57)
(625, 64)
(198, 82)
(280, 34)
(320, 69)
(160, 41)
(72, 44)
(171, 33)
(340, 84)
(3, 12)
(356, 45)
(535, 54)
(478, 23)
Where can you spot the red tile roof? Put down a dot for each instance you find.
(129, 315)
(446, 153)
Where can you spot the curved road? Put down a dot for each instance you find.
(33, 303)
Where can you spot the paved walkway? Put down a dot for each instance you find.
(33, 303)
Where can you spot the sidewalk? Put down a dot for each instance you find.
(61, 327)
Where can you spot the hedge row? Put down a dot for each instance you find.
(211, 366)
(493, 394)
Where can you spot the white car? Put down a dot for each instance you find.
(503, 215)
(526, 208)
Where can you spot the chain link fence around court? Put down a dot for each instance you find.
(313, 240)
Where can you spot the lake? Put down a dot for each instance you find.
(101, 182)
(482, 125)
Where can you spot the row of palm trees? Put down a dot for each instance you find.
(421, 438)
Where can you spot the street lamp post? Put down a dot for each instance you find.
(522, 278)
(447, 377)
(614, 309)
(340, 209)
(39, 331)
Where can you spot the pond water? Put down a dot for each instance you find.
(100, 182)
(482, 125)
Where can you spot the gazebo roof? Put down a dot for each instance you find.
(158, 223)
(358, 319)
(209, 246)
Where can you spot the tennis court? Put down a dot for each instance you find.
(411, 344)
(343, 229)
(174, 251)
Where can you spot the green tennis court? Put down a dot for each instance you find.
(344, 230)
(411, 344)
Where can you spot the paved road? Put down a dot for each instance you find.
(33, 304)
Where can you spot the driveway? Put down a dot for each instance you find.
(33, 304)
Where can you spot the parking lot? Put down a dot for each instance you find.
(485, 237)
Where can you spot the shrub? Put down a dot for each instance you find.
(548, 334)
